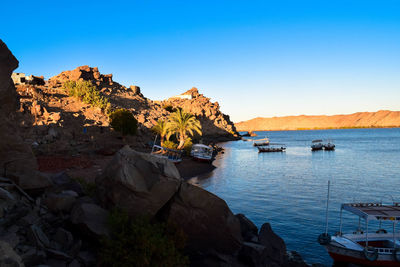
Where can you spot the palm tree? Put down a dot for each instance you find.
(183, 123)
(162, 129)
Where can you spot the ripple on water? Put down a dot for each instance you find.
(289, 189)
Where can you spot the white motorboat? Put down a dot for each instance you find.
(317, 145)
(202, 152)
(261, 142)
(367, 248)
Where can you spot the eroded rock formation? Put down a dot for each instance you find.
(215, 124)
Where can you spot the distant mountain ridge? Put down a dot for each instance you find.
(379, 119)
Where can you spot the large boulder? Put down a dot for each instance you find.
(248, 228)
(274, 244)
(91, 218)
(139, 183)
(206, 220)
(16, 158)
(8, 257)
(8, 96)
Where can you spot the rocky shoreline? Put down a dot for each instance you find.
(53, 219)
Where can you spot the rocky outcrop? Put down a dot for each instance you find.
(144, 184)
(381, 118)
(139, 183)
(82, 73)
(215, 124)
(205, 218)
(16, 158)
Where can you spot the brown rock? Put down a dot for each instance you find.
(8, 257)
(248, 228)
(8, 96)
(16, 158)
(135, 89)
(91, 218)
(206, 220)
(276, 248)
(137, 182)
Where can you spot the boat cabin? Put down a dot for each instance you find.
(202, 152)
(369, 247)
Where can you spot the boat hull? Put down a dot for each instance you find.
(202, 159)
(344, 255)
(315, 148)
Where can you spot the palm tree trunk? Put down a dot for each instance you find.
(161, 140)
(181, 141)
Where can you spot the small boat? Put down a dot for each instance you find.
(172, 155)
(367, 248)
(261, 142)
(316, 145)
(329, 145)
(202, 152)
(272, 148)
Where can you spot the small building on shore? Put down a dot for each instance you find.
(21, 78)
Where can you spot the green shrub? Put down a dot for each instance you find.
(141, 243)
(170, 144)
(123, 121)
(88, 93)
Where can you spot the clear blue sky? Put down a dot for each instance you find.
(256, 58)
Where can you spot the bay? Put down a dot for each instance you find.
(289, 189)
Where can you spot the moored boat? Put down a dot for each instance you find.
(329, 145)
(272, 148)
(367, 248)
(202, 152)
(261, 142)
(316, 145)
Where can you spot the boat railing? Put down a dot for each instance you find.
(171, 154)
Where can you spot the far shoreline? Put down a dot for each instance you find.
(329, 128)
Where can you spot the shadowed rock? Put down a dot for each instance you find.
(139, 183)
(16, 158)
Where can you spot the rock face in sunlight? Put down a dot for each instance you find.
(381, 118)
(49, 105)
(16, 158)
(216, 126)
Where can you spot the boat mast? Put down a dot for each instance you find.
(155, 139)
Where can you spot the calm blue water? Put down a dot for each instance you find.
(289, 189)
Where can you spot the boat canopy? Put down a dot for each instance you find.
(374, 211)
(201, 146)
